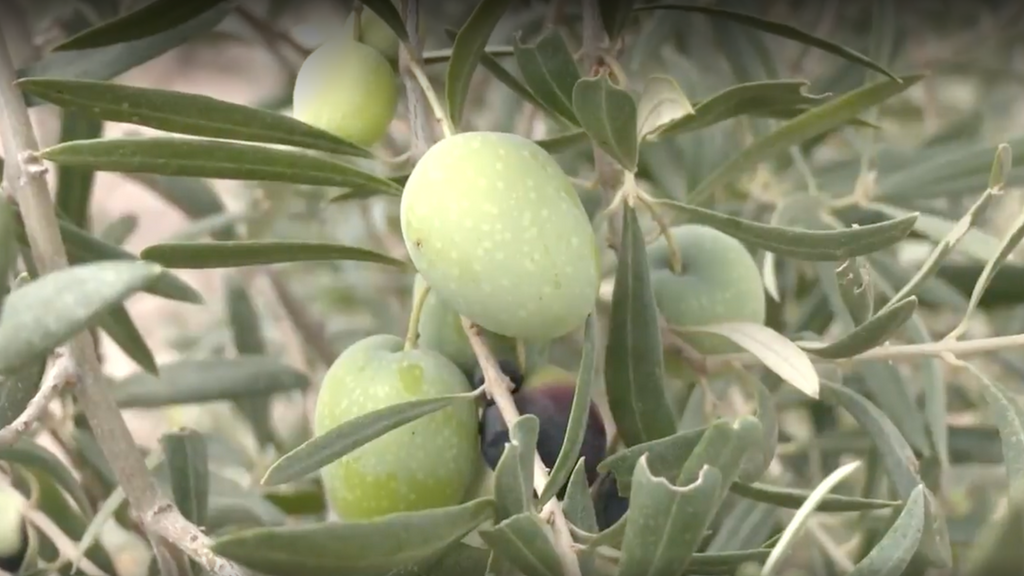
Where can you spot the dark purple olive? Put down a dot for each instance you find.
(609, 506)
(550, 400)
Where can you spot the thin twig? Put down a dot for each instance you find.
(62, 373)
(311, 330)
(499, 388)
(420, 130)
(25, 176)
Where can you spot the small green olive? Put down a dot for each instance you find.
(348, 89)
(429, 463)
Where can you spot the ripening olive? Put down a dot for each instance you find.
(429, 463)
(14, 539)
(547, 394)
(609, 505)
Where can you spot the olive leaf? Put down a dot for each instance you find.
(202, 158)
(523, 542)
(184, 113)
(550, 73)
(346, 437)
(609, 115)
(891, 555)
(108, 62)
(238, 253)
(578, 414)
(671, 513)
(661, 103)
(187, 461)
(466, 51)
(811, 123)
(513, 476)
(868, 335)
(391, 542)
(73, 298)
(791, 498)
(778, 353)
(778, 29)
(389, 14)
(148, 20)
(634, 365)
(804, 244)
(196, 381)
(74, 184)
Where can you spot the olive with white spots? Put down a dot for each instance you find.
(719, 282)
(496, 228)
(348, 89)
(429, 463)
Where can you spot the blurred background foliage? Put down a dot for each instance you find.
(932, 154)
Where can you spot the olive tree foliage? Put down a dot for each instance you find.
(852, 430)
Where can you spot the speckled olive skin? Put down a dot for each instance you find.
(496, 228)
(429, 463)
(440, 329)
(720, 282)
(348, 89)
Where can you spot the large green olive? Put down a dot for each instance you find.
(429, 463)
(440, 329)
(496, 228)
(719, 282)
(348, 89)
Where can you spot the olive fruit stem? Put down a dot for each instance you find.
(499, 388)
(435, 103)
(675, 260)
(412, 333)
(62, 372)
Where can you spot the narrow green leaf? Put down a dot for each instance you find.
(84, 248)
(112, 61)
(675, 519)
(563, 143)
(634, 366)
(896, 396)
(891, 555)
(184, 113)
(724, 447)
(513, 476)
(119, 230)
(789, 539)
(1001, 167)
(791, 498)
(188, 464)
(868, 335)
(661, 103)
(120, 327)
(1008, 417)
(74, 185)
(376, 546)
(996, 548)
(501, 74)
(856, 290)
(778, 29)
(961, 235)
(201, 158)
(332, 445)
(807, 125)
(608, 114)
(207, 380)
(666, 457)
(18, 389)
(466, 51)
(247, 334)
(149, 20)
(237, 253)
(445, 54)
(48, 311)
(578, 414)
(524, 543)
(578, 504)
(804, 244)
(751, 98)
(778, 353)
(550, 72)
(8, 244)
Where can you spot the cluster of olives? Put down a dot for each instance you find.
(498, 236)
